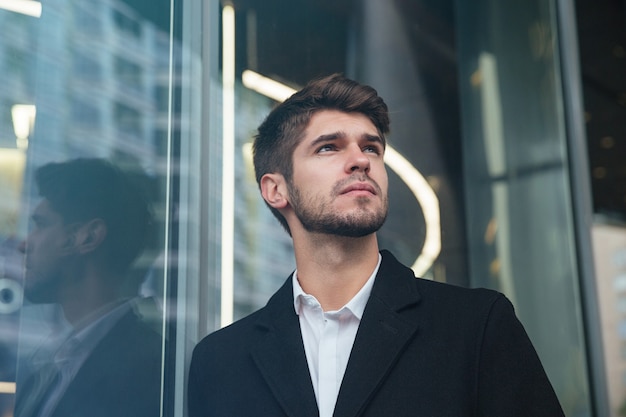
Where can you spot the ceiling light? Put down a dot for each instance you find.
(27, 7)
(266, 86)
(23, 116)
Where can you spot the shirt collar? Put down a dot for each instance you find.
(356, 305)
(88, 333)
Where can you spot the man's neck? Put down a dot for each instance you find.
(87, 295)
(333, 269)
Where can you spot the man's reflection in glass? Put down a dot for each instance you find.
(89, 227)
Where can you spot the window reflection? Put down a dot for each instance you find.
(92, 71)
(99, 352)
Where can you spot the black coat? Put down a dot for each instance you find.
(422, 349)
(121, 377)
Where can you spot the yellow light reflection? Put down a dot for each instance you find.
(266, 86)
(429, 203)
(493, 137)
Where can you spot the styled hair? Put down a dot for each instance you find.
(83, 189)
(283, 129)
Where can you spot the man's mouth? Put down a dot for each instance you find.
(360, 187)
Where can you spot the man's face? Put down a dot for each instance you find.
(46, 250)
(339, 182)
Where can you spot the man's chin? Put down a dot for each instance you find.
(355, 232)
(36, 298)
(36, 294)
(353, 228)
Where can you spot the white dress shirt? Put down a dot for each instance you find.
(328, 338)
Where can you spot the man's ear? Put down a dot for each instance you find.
(89, 236)
(274, 190)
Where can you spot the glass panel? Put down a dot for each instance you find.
(601, 36)
(609, 247)
(16, 103)
(519, 216)
(84, 206)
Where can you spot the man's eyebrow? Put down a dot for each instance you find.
(326, 138)
(373, 138)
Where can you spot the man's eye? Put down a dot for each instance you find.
(325, 148)
(372, 149)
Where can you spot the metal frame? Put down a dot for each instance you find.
(581, 201)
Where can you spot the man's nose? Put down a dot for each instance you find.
(357, 160)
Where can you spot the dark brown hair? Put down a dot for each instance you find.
(282, 130)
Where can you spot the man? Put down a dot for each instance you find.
(352, 332)
(89, 227)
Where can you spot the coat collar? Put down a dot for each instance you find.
(388, 324)
(386, 327)
(280, 355)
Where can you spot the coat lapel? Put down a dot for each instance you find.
(383, 333)
(280, 356)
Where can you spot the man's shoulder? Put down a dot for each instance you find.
(131, 340)
(427, 289)
(456, 292)
(468, 305)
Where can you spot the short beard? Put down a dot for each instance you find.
(315, 217)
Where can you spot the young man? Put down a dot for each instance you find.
(352, 332)
(89, 227)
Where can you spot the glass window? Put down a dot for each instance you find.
(87, 67)
(88, 21)
(518, 197)
(128, 73)
(127, 24)
(84, 209)
(86, 114)
(127, 119)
